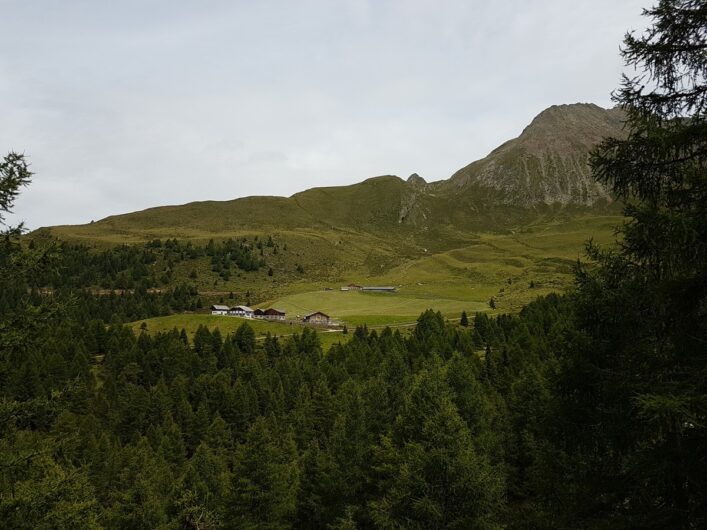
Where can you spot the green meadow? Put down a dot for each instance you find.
(191, 321)
(369, 307)
(512, 268)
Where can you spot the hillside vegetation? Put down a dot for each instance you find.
(508, 227)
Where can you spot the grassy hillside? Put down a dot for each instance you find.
(509, 228)
(513, 269)
(399, 307)
(460, 274)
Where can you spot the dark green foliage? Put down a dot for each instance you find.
(137, 267)
(244, 338)
(14, 174)
(431, 475)
(46, 494)
(265, 480)
(633, 391)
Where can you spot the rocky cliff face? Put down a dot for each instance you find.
(411, 210)
(547, 163)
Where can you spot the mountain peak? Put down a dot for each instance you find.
(571, 127)
(565, 109)
(416, 180)
(548, 162)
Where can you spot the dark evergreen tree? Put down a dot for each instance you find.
(244, 338)
(634, 386)
(265, 480)
(432, 477)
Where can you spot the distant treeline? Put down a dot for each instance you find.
(111, 307)
(146, 266)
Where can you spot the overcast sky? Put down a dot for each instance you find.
(125, 105)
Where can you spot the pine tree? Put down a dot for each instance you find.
(265, 480)
(432, 477)
(316, 498)
(14, 174)
(634, 391)
(202, 489)
(244, 338)
(272, 345)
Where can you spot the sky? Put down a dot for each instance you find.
(122, 106)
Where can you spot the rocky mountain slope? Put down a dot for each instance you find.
(547, 163)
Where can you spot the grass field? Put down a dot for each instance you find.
(378, 307)
(512, 268)
(191, 321)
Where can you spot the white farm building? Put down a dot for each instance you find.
(242, 311)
